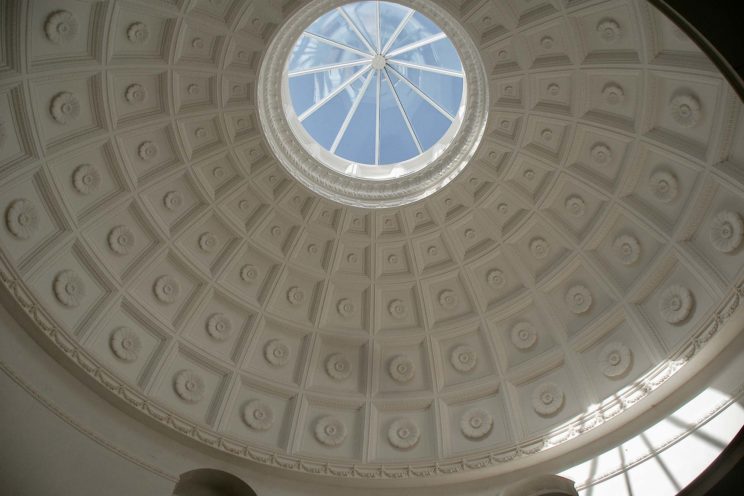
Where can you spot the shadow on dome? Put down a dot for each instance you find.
(211, 482)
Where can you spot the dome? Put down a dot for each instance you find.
(565, 243)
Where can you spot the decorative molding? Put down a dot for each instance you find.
(463, 358)
(189, 386)
(121, 239)
(61, 27)
(675, 304)
(685, 109)
(547, 399)
(86, 179)
(523, 336)
(726, 231)
(258, 415)
(69, 288)
(330, 431)
(627, 249)
(476, 423)
(402, 369)
(65, 107)
(338, 366)
(22, 219)
(578, 299)
(166, 289)
(614, 359)
(664, 186)
(219, 326)
(403, 433)
(138, 33)
(276, 352)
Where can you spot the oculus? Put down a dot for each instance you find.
(365, 102)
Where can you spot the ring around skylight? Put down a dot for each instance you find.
(374, 90)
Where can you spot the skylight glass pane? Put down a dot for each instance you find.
(445, 90)
(391, 16)
(364, 17)
(428, 123)
(335, 28)
(323, 125)
(417, 29)
(358, 143)
(311, 88)
(438, 54)
(309, 52)
(396, 143)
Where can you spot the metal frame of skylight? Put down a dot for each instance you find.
(378, 74)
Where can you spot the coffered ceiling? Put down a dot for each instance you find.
(586, 252)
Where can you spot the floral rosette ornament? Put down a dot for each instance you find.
(539, 248)
(463, 358)
(207, 242)
(65, 107)
(601, 154)
(121, 240)
(249, 273)
(403, 433)
(609, 30)
(22, 219)
(338, 366)
(496, 278)
(125, 344)
(578, 299)
(166, 289)
(547, 399)
(330, 431)
(189, 386)
(172, 200)
(686, 110)
(258, 415)
(295, 295)
(523, 336)
(476, 423)
(614, 94)
(69, 288)
(575, 205)
(137, 32)
(135, 93)
(402, 369)
(448, 299)
(61, 27)
(614, 359)
(147, 150)
(664, 186)
(627, 249)
(86, 179)
(345, 307)
(219, 326)
(726, 231)
(675, 304)
(397, 309)
(276, 352)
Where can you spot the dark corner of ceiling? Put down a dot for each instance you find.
(716, 27)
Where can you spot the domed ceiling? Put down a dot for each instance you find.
(584, 254)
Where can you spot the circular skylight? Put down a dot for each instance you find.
(374, 90)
